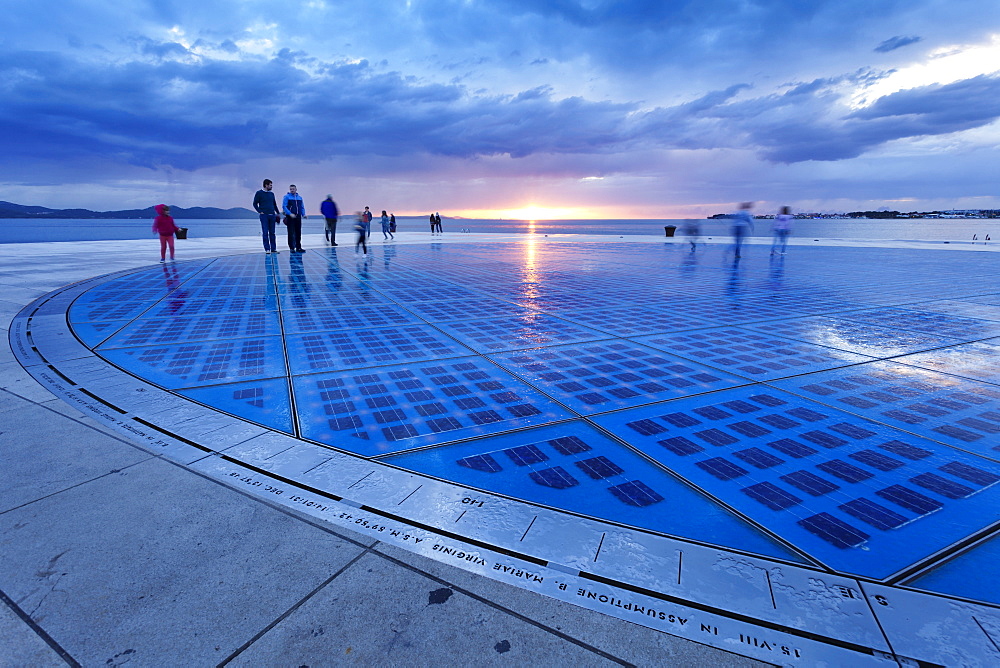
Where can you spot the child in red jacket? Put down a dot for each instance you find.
(163, 225)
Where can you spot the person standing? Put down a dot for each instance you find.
(742, 225)
(329, 210)
(782, 228)
(392, 223)
(164, 226)
(295, 210)
(437, 222)
(386, 229)
(431, 219)
(267, 208)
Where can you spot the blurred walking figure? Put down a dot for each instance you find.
(329, 210)
(782, 228)
(692, 231)
(742, 225)
(386, 229)
(164, 226)
(362, 227)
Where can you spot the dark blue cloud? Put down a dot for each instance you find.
(896, 42)
(198, 112)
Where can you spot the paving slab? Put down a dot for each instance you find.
(632, 643)
(159, 565)
(378, 612)
(69, 453)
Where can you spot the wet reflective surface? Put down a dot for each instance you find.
(836, 407)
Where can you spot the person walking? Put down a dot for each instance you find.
(363, 227)
(693, 232)
(742, 224)
(782, 228)
(295, 210)
(437, 222)
(386, 229)
(164, 226)
(266, 207)
(329, 210)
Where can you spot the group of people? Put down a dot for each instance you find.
(742, 225)
(364, 227)
(435, 219)
(293, 211)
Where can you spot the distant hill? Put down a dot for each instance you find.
(11, 210)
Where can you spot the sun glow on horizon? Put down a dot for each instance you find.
(538, 212)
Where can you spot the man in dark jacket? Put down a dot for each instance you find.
(295, 210)
(267, 208)
(329, 210)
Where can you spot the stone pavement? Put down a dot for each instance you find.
(112, 556)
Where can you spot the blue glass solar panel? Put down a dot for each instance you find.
(265, 402)
(928, 322)
(844, 471)
(356, 317)
(751, 354)
(913, 501)
(346, 349)
(863, 338)
(203, 363)
(635, 321)
(155, 331)
(628, 375)
(179, 305)
(93, 333)
(513, 333)
(899, 394)
(807, 478)
(393, 408)
(555, 477)
(976, 476)
(781, 446)
(834, 531)
(587, 472)
(465, 309)
(873, 514)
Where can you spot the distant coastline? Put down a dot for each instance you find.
(884, 215)
(11, 210)
(20, 211)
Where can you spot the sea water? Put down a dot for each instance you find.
(23, 230)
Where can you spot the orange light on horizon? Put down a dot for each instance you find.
(535, 212)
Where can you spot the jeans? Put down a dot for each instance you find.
(294, 225)
(268, 221)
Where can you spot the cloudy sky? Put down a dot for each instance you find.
(512, 108)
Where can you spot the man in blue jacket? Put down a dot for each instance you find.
(329, 210)
(295, 210)
(267, 208)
